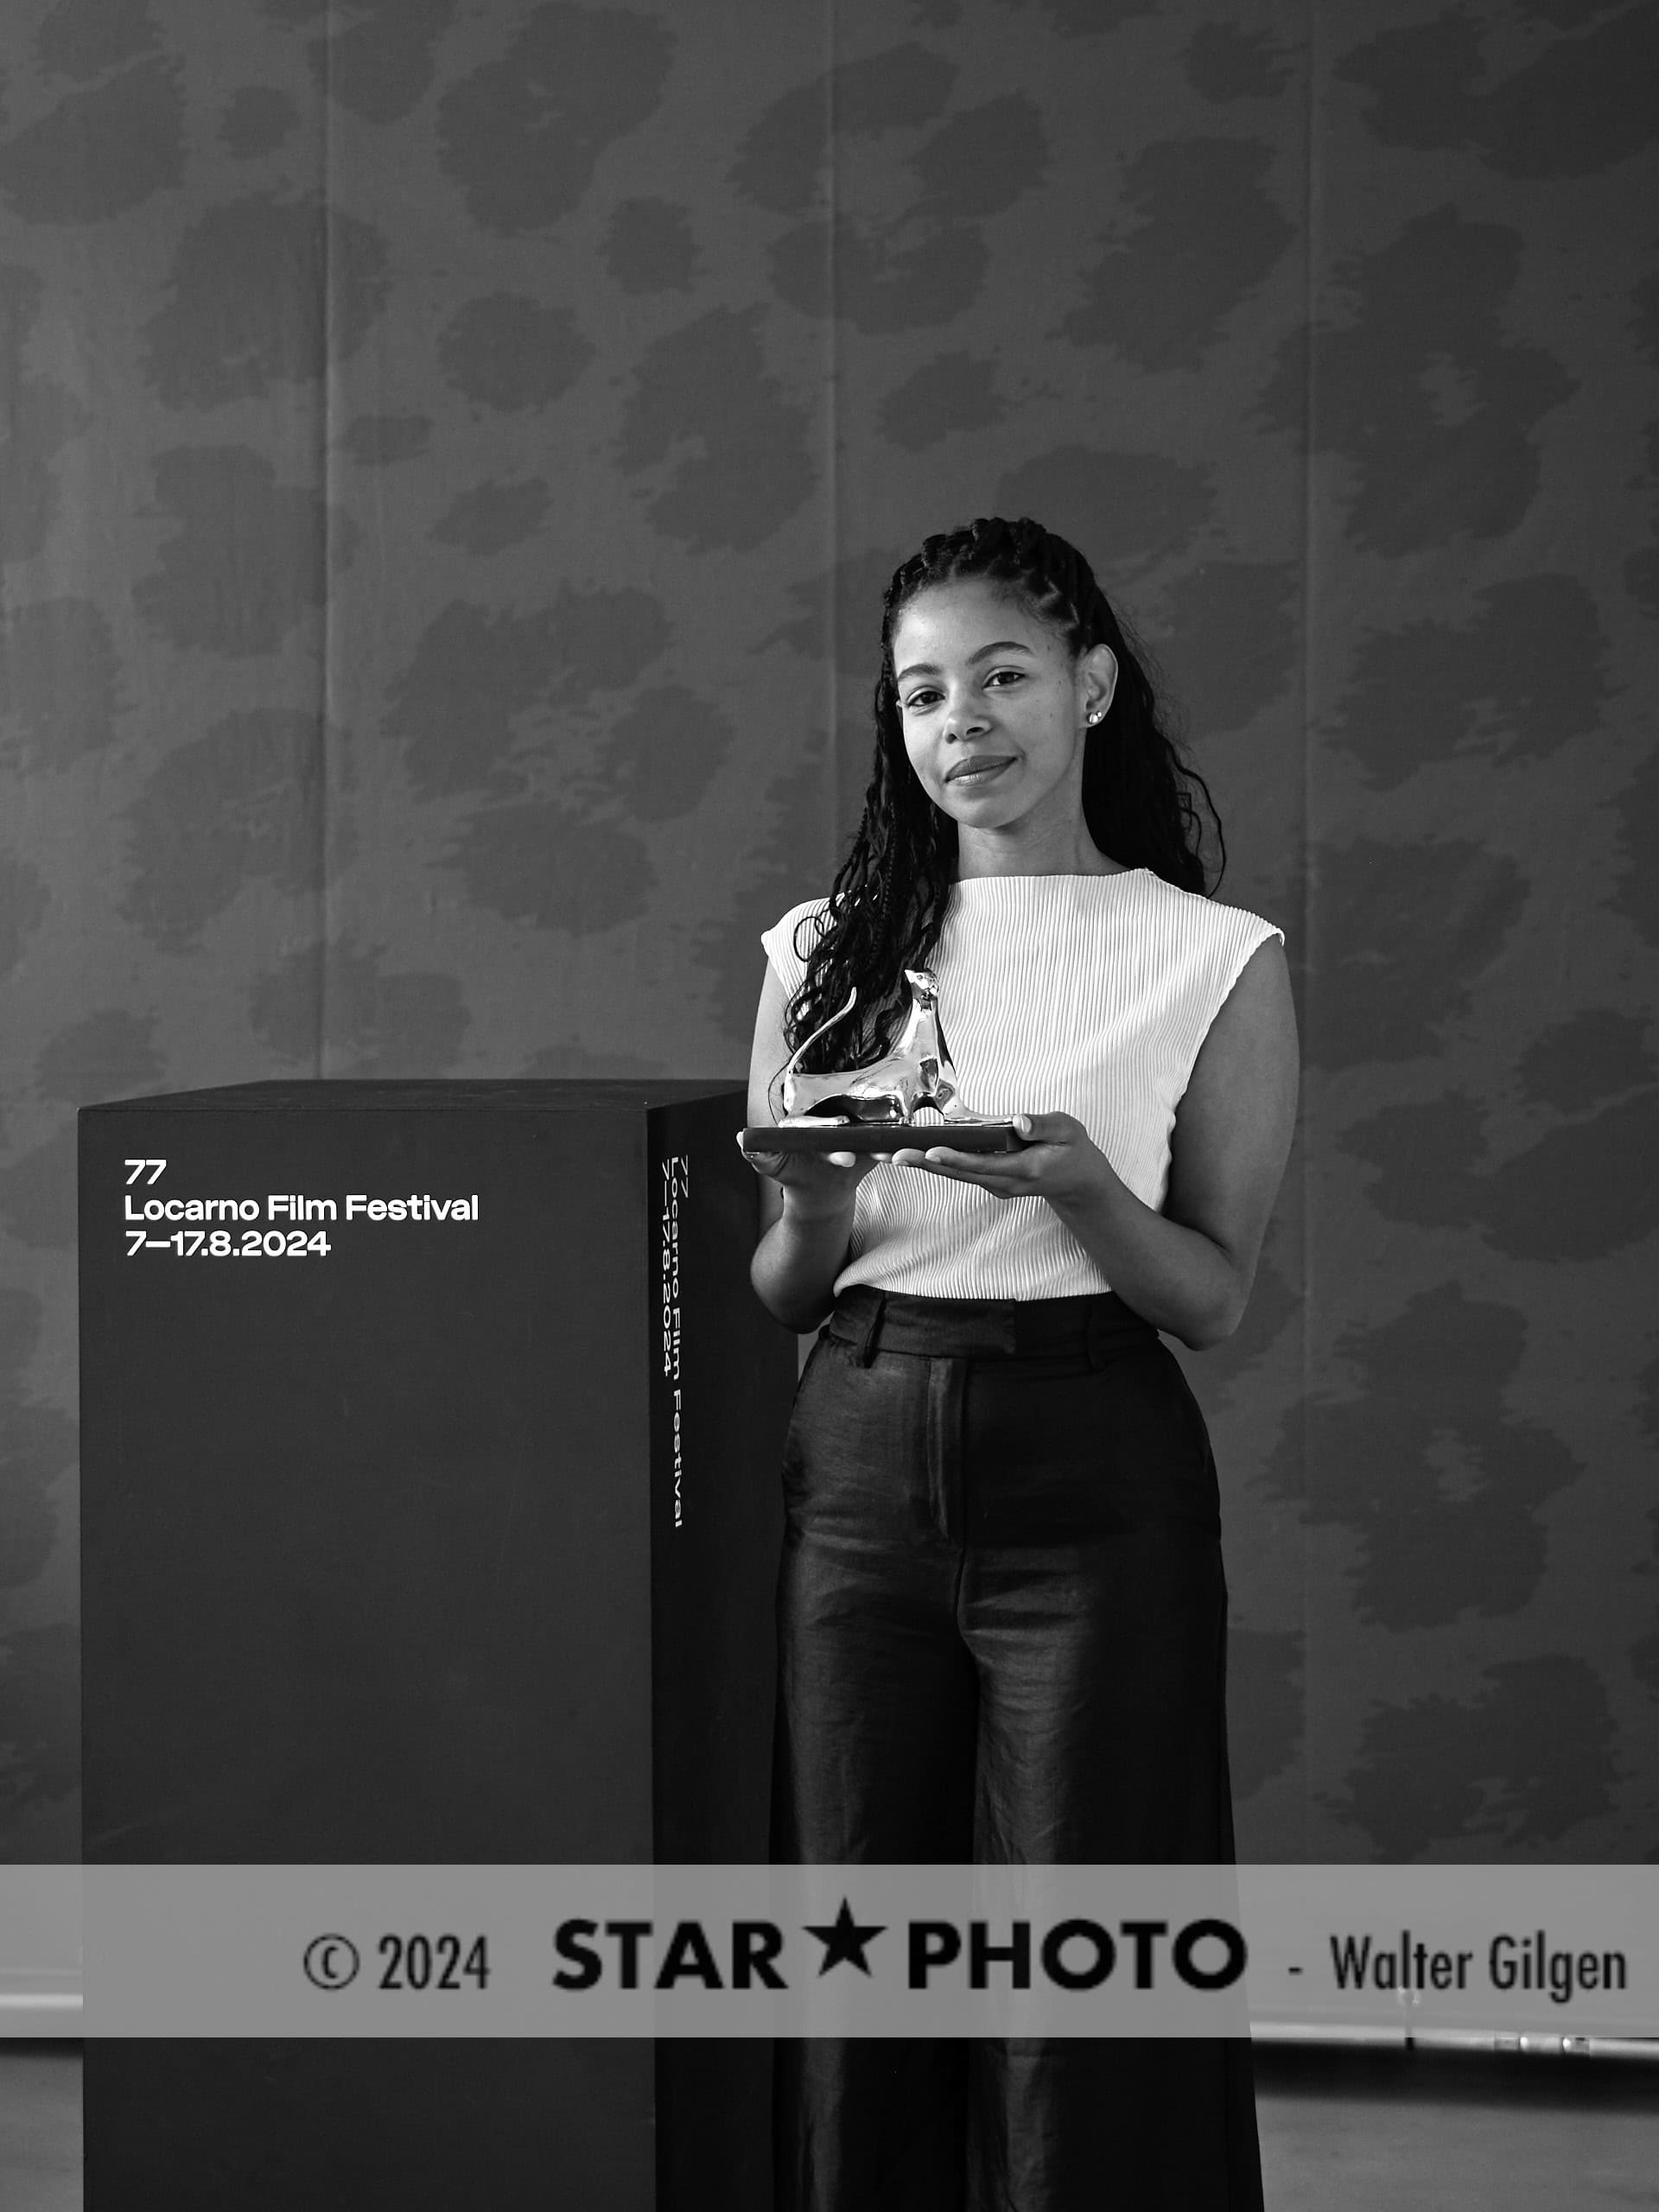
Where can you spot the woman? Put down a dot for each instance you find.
(1001, 1610)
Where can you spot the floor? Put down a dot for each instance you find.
(40, 2126)
(1341, 2132)
(1383, 2130)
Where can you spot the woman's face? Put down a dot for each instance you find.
(994, 709)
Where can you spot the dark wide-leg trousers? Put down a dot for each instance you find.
(1001, 1638)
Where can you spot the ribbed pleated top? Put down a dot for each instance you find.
(1082, 994)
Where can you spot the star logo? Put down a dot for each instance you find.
(843, 1939)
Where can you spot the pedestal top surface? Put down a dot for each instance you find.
(559, 1095)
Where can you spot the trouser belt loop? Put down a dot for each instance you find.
(872, 1329)
(1095, 1338)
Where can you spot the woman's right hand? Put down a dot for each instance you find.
(817, 1185)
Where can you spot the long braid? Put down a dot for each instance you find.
(888, 903)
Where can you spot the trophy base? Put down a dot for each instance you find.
(884, 1136)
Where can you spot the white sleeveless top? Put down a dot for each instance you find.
(1082, 994)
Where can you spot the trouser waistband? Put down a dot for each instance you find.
(1097, 1328)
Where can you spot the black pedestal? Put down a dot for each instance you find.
(393, 1551)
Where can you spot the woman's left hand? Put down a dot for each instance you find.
(1059, 1161)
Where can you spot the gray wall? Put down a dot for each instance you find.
(448, 459)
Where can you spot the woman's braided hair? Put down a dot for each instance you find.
(888, 903)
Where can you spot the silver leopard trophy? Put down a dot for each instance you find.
(873, 1108)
